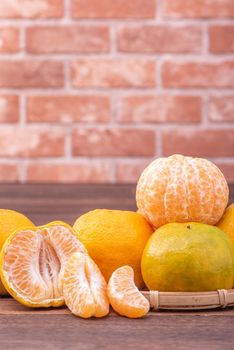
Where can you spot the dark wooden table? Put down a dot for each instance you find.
(28, 329)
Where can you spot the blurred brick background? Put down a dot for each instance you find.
(92, 90)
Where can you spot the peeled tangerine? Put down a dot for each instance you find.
(181, 189)
(32, 263)
(84, 287)
(124, 296)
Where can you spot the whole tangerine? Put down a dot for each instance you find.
(188, 257)
(226, 223)
(114, 238)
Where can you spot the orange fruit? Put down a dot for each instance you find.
(188, 257)
(124, 296)
(10, 220)
(114, 238)
(181, 189)
(226, 223)
(32, 263)
(84, 287)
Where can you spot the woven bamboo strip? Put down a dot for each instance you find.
(190, 300)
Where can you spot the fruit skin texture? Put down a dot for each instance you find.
(10, 221)
(124, 296)
(114, 238)
(70, 248)
(189, 257)
(226, 223)
(181, 189)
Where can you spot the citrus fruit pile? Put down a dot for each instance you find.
(180, 239)
(183, 198)
(48, 266)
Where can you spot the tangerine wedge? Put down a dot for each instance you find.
(124, 296)
(84, 287)
(32, 263)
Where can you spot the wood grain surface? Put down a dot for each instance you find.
(22, 328)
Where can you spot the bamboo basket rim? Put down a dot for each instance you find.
(221, 298)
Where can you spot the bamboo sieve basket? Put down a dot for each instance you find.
(190, 300)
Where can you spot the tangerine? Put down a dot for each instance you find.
(114, 238)
(188, 257)
(32, 263)
(10, 220)
(226, 223)
(182, 189)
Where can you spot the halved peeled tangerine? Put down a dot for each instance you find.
(84, 287)
(124, 296)
(32, 263)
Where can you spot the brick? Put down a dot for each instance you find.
(31, 142)
(198, 74)
(31, 9)
(68, 109)
(9, 39)
(198, 9)
(9, 108)
(160, 38)
(113, 142)
(67, 39)
(113, 73)
(204, 143)
(221, 108)
(227, 169)
(130, 171)
(160, 109)
(82, 172)
(114, 9)
(28, 73)
(8, 173)
(221, 38)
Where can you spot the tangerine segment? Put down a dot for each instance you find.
(124, 296)
(84, 287)
(32, 262)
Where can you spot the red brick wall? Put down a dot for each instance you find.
(92, 90)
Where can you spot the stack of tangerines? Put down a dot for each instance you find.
(108, 254)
